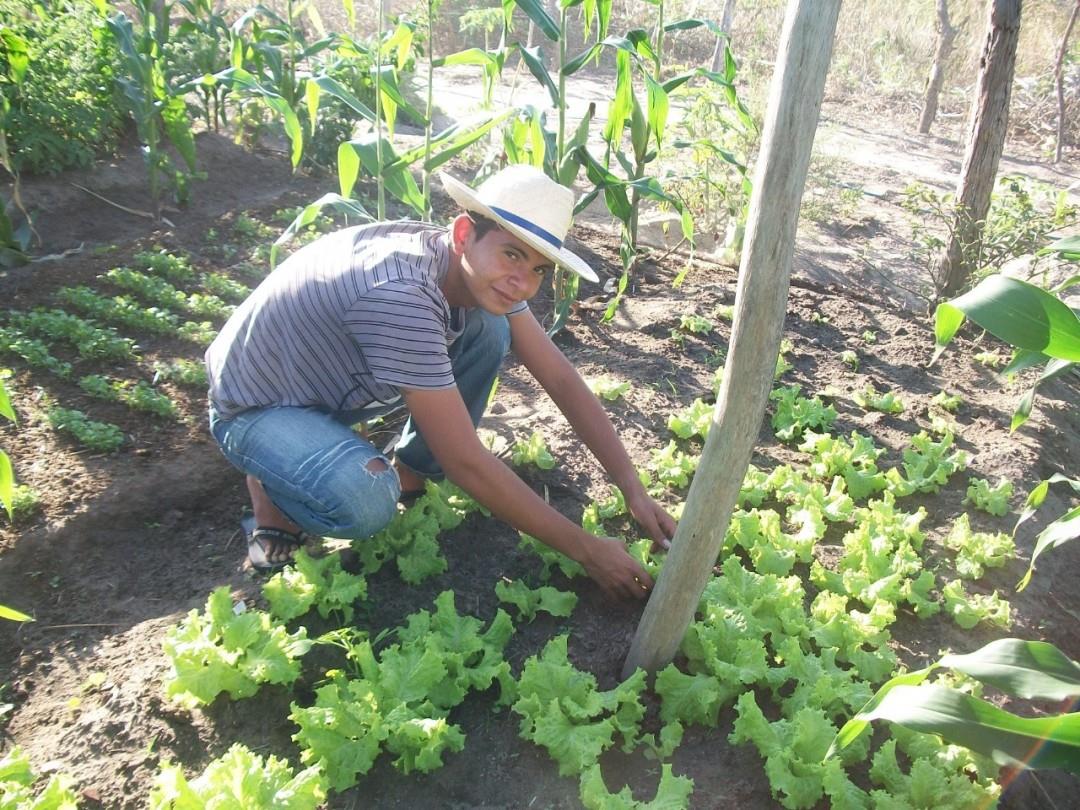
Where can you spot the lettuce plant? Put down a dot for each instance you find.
(693, 420)
(530, 601)
(873, 400)
(318, 583)
(967, 610)
(533, 451)
(992, 499)
(222, 649)
(239, 778)
(795, 414)
(609, 388)
(976, 551)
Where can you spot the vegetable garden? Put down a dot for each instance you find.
(903, 525)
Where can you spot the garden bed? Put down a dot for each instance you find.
(123, 544)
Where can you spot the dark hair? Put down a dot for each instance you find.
(482, 225)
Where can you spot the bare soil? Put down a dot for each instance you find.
(124, 544)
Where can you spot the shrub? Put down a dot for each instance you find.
(66, 110)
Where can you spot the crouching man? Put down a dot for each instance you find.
(405, 314)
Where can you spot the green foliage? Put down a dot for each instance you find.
(564, 712)
(224, 287)
(850, 359)
(223, 649)
(870, 399)
(1028, 669)
(967, 610)
(139, 397)
(947, 402)
(161, 263)
(855, 461)
(976, 551)
(64, 111)
(672, 792)
(694, 420)
(239, 778)
(318, 583)
(533, 451)
(551, 559)
(928, 464)
(7, 475)
(120, 310)
(35, 353)
(16, 786)
(182, 371)
(401, 698)
(89, 340)
(21, 502)
(100, 436)
(158, 291)
(695, 324)
(795, 414)
(411, 538)
(1065, 528)
(881, 559)
(530, 601)
(609, 388)
(869, 336)
(672, 466)
(992, 499)
(793, 750)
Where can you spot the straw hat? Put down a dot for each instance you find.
(528, 204)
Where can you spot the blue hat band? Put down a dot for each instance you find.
(521, 222)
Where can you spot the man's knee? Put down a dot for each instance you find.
(363, 503)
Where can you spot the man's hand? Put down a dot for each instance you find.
(618, 574)
(653, 518)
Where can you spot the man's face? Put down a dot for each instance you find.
(500, 269)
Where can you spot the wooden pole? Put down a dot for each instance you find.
(760, 303)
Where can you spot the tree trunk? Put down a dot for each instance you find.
(986, 140)
(760, 303)
(1059, 79)
(946, 37)
(725, 26)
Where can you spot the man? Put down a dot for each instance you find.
(367, 319)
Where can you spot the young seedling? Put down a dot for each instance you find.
(989, 359)
(850, 359)
(947, 402)
(695, 324)
(609, 388)
(870, 399)
(532, 451)
(100, 436)
(869, 336)
(994, 500)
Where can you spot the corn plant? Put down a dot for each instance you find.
(7, 475)
(1040, 327)
(1034, 670)
(13, 241)
(159, 110)
(1061, 530)
(201, 49)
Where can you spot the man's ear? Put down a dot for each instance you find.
(461, 229)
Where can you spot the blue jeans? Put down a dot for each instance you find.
(325, 477)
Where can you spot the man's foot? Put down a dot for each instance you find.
(272, 538)
(270, 549)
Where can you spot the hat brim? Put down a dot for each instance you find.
(467, 199)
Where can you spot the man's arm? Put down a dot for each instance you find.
(449, 433)
(590, 421)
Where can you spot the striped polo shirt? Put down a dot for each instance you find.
(346, 321)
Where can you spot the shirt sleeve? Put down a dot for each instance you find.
(400, 327)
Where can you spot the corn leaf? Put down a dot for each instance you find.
(1034, 670)
(958, 718)
(534, 9)
(7, 485)
(311, 212)
(1016, 312)
(338, 91)
(535, 63)
(14, 615)
(5, 404)
(1065, 528)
